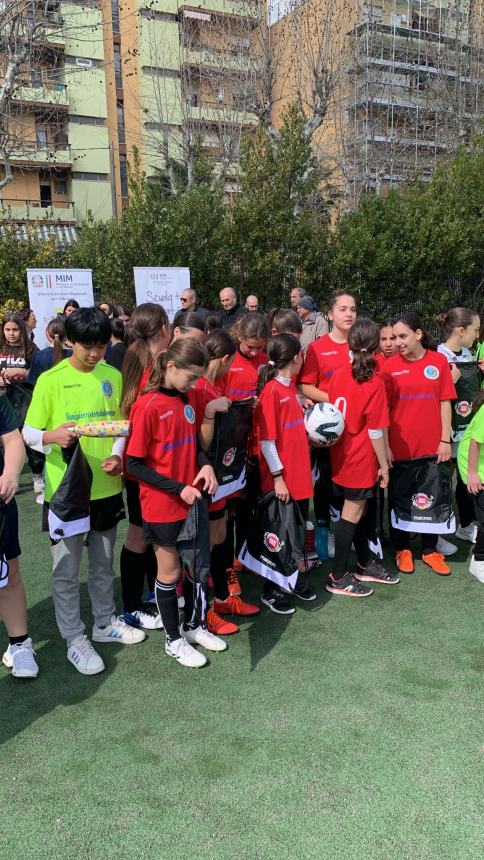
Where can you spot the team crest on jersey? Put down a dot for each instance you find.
(229, 457)
(272, 542)
(107, 388)
(189, 414)
(432, 372)
(463, 408)
(422, 501)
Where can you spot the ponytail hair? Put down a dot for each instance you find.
(185, 320)
(414, 322)
(57, 331)
(220, 343)
(285, 320)
(281, 349)
(251, 325)
(363, 341)
(184, 353)
(146, 321)
(455, 318)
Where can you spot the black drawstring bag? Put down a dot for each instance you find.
(193, 547)
(4, 565)
(420, 496)
(275, 545)
(466, 388)
(69, 506)
(228, 452)
(20, 396)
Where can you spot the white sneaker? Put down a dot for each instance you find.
(143, 620)
(445, 547)
(39, 485)
(83, 656)
(477, 569)
(468, 533)
(118, 631)
(183, 652)
(21, 660)
(331, 545)
(203, 637)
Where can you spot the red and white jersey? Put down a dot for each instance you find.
(415, 390)
(364, 406)
(164, 431)
(279, 418)
(240, 381)
(323, 358)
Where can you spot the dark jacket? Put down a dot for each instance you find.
(229, 318)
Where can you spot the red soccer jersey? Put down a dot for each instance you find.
(241, 380)
(364, 406)
(164, 433)
(381, 360)
(415, 390)
(279, 418)
(323, 358)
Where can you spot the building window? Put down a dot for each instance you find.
(115, 15)
(45, 194)
(60, 186)
(89, 177)
(41, 136)
(121, 127)
(123, 175)
(87, 120)
(117, 67)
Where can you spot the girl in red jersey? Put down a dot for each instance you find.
(282, 320)
(388, 343)
(221, 349)
(285, 465)
(188, 324)
(420, 389)
(149, 334)
(358, 460)
(323, 357)
(169, 422)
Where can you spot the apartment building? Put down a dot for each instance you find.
(406, 83)
(60, 158)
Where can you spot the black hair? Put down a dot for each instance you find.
(88, 326)
(220, 343)
(110, 306)
(336, 294)
(71, 303)
(285, 320)
(389, 322)
(414, 322)
(118, 329)
(185, 320)
(251, 325)
(281, 349)
(455, 318)
(363, 341)
(213, 320)
(121, 311)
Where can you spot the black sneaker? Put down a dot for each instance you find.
(375, 572)
(302, 591)
(347, 586)
(277, 602)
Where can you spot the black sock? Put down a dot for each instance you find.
(132, 578)
(17, 640)
(195, 604)
(151, 567)
(344, 533)
(218, 570)
(360, 541)
(167, 603)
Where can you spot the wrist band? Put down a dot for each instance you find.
(445, 441)
(209, 418)
(276, 474)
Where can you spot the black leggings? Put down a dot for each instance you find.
(324, 497)
(401, 540)
(463, 501)
(478, 505)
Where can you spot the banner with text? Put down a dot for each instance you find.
(50, 289)
(162, 286)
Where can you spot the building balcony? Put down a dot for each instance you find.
(228, 8)
(395, 140)
(399, 65)
(52, 155)
(42, 95)
(218, 59)
(215, 112)
(34, 210)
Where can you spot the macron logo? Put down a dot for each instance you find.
(331, 352)
(166, 415)
(284, 400)
(400, 372)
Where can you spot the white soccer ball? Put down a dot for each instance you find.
(324, 423)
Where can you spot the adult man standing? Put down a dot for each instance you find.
(314, 324)
(252, 303)
(232, 310)
(188, 301)
(296, 294)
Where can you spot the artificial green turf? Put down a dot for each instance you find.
(351, 730)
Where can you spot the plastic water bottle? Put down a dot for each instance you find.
(322, 540)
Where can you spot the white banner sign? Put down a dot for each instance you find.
(161, 286)
(50, 289)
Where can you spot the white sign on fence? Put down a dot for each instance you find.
(162, 286)
(50, 289)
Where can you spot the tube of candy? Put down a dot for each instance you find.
(103, 428)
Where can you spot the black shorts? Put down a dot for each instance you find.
(10, 547)
(216, 515)
(162, 534)
(354, 494)
(105, 514)
(133, 502)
